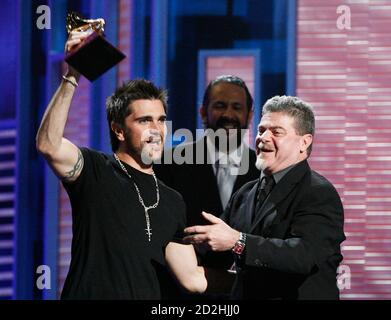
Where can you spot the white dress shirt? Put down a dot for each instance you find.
(226, 168)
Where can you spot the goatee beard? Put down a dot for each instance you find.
(149, 157)
(259, 164)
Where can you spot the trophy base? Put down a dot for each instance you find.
(94, 56)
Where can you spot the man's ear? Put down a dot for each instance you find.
(306, 141)
(203, 114)
(118, 130)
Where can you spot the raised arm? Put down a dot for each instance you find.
(62, 155)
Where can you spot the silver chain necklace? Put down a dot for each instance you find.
(140, 199)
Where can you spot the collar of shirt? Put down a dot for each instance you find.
(233, 159)
(277, 176)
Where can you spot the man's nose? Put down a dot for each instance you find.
(154, 126)
(257, 140)
(229, 112)
(264, 136)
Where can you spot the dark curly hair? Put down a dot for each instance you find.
(228, 79)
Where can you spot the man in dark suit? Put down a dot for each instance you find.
(285, 228)
(215, 166)
(226, 112)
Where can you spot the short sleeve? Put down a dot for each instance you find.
(181, 217)
(82, 189)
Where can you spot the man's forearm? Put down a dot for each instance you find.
(182, 261)
(52, 127)
(196, 282)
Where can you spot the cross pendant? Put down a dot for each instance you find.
(148, 229)
(149, 233)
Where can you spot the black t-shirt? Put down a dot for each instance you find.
(111, 255)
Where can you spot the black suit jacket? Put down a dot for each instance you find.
(293, 244)
(197, 182)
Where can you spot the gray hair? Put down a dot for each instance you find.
(299, 110)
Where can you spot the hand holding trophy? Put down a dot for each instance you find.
(90, 53)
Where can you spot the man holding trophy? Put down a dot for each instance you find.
(127, 225)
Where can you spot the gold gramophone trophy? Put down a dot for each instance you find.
(95, 55)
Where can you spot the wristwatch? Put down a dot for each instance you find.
(240, 244)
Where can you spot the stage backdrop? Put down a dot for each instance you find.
(346, 75)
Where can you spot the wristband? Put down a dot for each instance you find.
(240, 244)
(72, 82)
